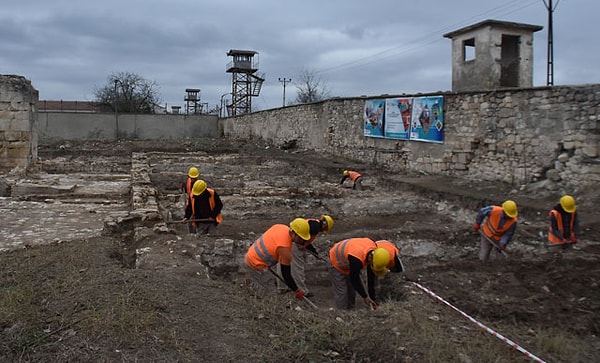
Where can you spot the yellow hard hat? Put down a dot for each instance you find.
(381, 258)
(301, 227)
(328, 221)
(199, 187)
(193, 172)
(567, 203)
(510, 208)
(345, 173)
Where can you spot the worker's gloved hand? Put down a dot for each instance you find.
(574, 240)
(372, 304)
(476, 226)
(185, 219)
(502, 247)
(299, 294)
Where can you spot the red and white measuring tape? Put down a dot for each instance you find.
(497, 335)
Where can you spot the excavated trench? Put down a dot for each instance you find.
(132, 191)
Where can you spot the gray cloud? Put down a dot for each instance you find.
(66, 48)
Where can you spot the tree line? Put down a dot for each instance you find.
(127, 92)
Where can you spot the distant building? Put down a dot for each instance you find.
(72, 106)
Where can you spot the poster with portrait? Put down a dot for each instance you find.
(427, 122)
(373, 118)
(397, 116)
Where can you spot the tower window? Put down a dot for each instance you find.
(469, 50)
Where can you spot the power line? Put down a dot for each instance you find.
(425, 40)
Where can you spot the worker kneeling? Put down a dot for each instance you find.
(347, 259)
(272, 247)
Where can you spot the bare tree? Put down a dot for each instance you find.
(128, 93)
(310, 88)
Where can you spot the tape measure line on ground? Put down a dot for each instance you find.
(481, 325)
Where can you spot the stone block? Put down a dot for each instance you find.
(590, 151)
(563, 158)
(553, 175)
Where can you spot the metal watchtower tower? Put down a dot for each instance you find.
(245, 84)
(192, 101)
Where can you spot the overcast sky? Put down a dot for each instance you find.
(68, 48)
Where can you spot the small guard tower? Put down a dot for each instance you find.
(192, 101)
(245, 84)
(492, 54)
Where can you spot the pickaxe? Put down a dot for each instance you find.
(304, 298)
(319, 257)
(494, 243)
(192, 220)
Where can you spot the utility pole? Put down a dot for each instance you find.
(550, 64)
(285, 81)
(116, 104)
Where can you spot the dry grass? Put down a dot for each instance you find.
(72, 302)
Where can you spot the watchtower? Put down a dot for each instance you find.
(192, 101)
(245, 84)
(492, 54)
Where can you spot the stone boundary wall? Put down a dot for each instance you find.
(546, 134)
(18, 136)
(516, 136)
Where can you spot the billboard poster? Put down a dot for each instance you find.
(427, 122)
(373, 118)
(397, 118)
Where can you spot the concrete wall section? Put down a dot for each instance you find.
(78, 126)
(18, 114)
(517, 135)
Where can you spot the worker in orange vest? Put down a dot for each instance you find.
(192, 175)
(274, 247)
(204, 209)
(348, 258)
(499, 226)
(354, 176)
(395, 264)
(564, 223)
(316, 226)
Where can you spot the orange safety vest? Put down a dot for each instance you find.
(557, 215)
(353, 175)
(392, 249)
(491, 227)
(188, 191)
(357, 247)
(211, 202)
(263, 252)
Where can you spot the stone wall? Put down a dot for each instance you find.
(545, 134)
(517, 136)
(53, 126)
(18, 114)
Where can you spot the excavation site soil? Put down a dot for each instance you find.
(82, 280)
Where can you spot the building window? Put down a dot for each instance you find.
(469, 50)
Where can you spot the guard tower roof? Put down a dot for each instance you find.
(494, 23)
(237, 51)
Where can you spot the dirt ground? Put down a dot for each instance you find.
(71, 291)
